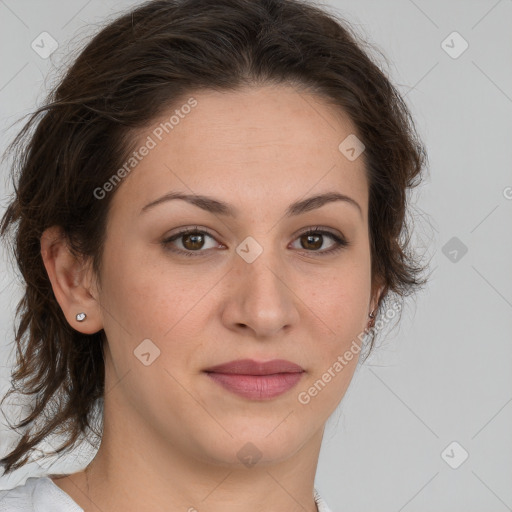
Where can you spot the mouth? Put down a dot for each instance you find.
(256, 380)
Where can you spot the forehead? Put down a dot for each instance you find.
(257, 142)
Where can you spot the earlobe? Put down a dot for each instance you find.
(70, 281)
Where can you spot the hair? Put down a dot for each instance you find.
(131, 72)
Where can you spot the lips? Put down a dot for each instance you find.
(251, 367)
(256, 380)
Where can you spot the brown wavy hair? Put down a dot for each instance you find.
(132, 71)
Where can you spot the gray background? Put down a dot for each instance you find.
(444, 374)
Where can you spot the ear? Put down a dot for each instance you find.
(376, 295)
(72, 282)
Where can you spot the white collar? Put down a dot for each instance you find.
(320, 503)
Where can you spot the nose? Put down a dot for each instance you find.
(261, 298)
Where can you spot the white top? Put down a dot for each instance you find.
(42, 494)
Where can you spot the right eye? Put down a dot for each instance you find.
(192, 241)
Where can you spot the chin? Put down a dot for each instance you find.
(254, 442)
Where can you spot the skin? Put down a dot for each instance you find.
(171, 435)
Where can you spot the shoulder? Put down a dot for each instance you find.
(37, 494)
(20, 497)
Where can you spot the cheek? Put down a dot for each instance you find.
(342, 299)
(169, 306)
(144, 305)
(136, 289)
(333, 363)
(341, 304)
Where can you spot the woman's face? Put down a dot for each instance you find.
(247, 286)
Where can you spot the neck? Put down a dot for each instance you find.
(138, 469)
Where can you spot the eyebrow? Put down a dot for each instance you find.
(217, 207)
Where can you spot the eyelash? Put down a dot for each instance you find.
(340, 242)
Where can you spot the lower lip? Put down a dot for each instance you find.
(257, 387)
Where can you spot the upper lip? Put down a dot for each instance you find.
(252, 367)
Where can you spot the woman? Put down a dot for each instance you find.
(208, 217)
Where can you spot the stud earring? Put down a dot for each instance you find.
(80, 317)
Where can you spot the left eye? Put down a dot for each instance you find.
(315, 237)
(192, 241)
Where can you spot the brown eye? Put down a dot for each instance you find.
(313, 239)
(192, 242)
(312, 242)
